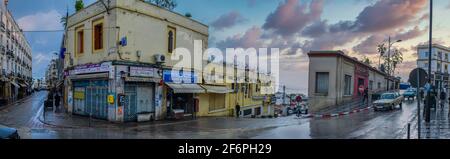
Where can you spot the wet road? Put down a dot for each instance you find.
(363, 125)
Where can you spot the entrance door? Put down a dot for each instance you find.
(96, 102)
(360, 84)
(130, 109)
(144, 99)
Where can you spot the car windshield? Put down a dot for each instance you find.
(388, 96)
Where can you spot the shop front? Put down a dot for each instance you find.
(361, 80)
(88, 88)
(181, 97)
(140, 90)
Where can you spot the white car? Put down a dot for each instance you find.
(388, 101)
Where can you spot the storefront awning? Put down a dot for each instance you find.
(142, 79)
(186, 88)
(217, 89)
(15, 84)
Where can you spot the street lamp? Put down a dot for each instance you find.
(390, 44)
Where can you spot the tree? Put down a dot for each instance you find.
(397, 58)
(381, 50)
(168, 4)
(63, 21)
(366, 60)
(79, 5)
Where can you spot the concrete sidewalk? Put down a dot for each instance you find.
(439, 127)
(61, 119)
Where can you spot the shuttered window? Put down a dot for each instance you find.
(322, 82)
(348, 85)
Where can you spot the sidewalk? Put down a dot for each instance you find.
(341, 110)
(204, 124)
(61, 119)
(439, 127)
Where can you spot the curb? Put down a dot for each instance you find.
(332, 115)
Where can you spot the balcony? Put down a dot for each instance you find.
(2, 49)
(2, 27)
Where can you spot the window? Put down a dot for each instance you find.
(322, 81)
(370, 85)
(216, 102)
(446, 57)
(79, 40)
(348, 85)
(171, 39)
(379, 85)
(98, 35)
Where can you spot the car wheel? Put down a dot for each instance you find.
(392, 107)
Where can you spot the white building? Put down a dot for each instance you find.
(440, 62)
(15, 58)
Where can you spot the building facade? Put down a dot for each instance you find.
(335, 78)
(15, 59)
(440, 62)
(118, 65)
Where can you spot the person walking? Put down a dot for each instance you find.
(238, 110)
(443, 97)
(366, 96)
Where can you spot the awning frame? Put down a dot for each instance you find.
(186, 88)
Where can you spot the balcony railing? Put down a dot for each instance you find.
(2, 27)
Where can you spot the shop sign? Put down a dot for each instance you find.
(142, 72)
(111, 99)
(180, 77)
(91, 68)
(79, 95)
(361, 70)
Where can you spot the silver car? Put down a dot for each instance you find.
(389, 101)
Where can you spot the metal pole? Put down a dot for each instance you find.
(419, 99)
(389, 62)
(409, 130)
(428, 106)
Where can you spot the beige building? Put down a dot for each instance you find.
(335, 78)
(15, 59)
(122, 51)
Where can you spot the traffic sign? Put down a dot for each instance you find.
(423, 77)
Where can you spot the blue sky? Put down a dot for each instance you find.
(297, 25)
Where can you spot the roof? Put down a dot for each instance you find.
(339, 53)
(426, 46)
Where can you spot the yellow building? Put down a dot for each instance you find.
(118, 66)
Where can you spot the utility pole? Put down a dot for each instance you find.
(284, 94)
(419, 99)
(428, 105)
(389, 62)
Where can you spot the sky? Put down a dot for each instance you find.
(294, 26)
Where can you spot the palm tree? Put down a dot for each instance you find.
(63, 21)
(381, 50)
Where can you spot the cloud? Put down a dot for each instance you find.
(369, 45)
(228, 20)
(39, 59)
(291, 17)
(251, 38)
(41, 21)
(251, 3)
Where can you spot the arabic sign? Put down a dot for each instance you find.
(180, 77)
(91, 68)
(142, 72)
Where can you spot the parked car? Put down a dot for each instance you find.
(410, 93)
(388, 101)
(8, 133)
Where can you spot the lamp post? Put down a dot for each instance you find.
(390, 44)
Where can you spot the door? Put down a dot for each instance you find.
(130, 108)
(145, 102)
(96, 102)
(360, 85)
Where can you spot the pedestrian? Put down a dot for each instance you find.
(421, 94)
(366, 95)
(238, 110)
(57, 100)
(443, 96)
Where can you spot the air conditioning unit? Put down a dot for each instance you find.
(160, 58)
